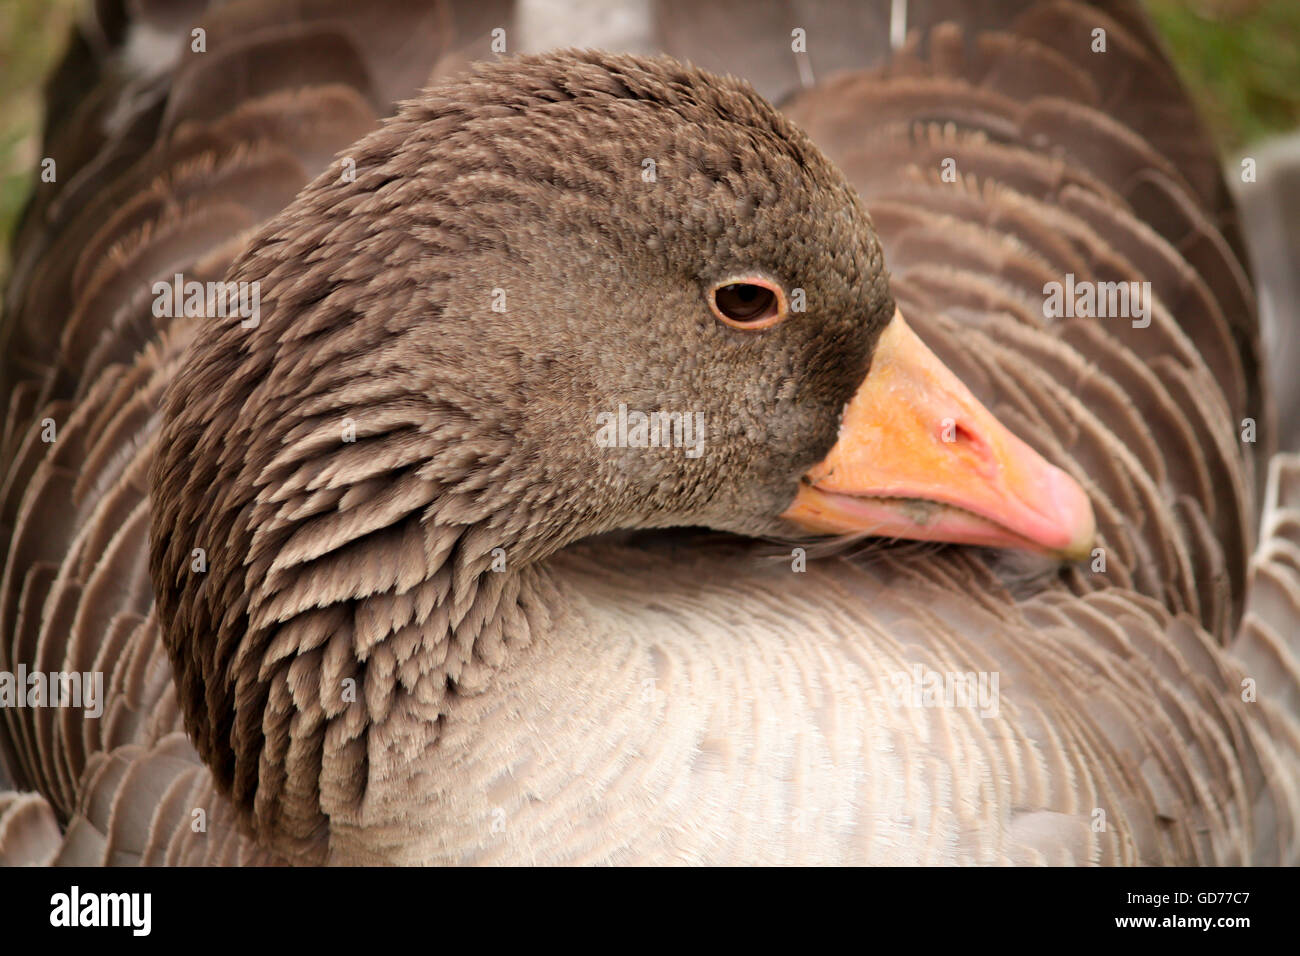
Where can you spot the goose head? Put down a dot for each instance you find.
(459, 316)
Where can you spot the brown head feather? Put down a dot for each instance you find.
(474, 428)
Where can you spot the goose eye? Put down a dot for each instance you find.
(751, 304)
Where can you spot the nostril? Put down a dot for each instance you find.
(953, 432)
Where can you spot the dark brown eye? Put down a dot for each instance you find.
(750, 304)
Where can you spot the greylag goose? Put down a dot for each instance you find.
(383, 564)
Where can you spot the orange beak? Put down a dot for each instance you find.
(919, 457)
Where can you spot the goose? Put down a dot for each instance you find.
(389, 568)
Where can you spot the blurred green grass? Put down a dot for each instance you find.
(33, 35)
(1241, 59)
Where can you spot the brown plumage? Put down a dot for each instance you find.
(662, 696)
